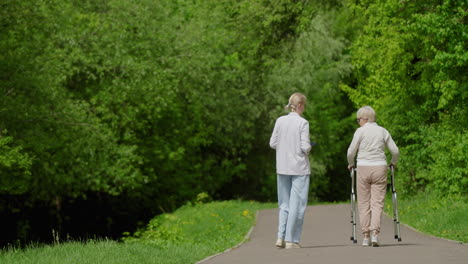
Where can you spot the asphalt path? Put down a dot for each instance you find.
(326, 239)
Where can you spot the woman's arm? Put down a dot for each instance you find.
(274, 136)
(305, 140)
(392, 147)
(353, 148)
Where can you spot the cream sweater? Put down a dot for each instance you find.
(290, 138)
(370, 141)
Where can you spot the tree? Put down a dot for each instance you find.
(409, 64)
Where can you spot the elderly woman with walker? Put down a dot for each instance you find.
(369, 142)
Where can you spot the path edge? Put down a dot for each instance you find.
(247, 237)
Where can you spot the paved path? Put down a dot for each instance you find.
(325, 239)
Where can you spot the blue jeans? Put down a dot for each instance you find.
(292, 201)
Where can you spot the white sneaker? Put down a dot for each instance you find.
(366, 242)
(292, 245)
(375, 240)
(279, 242)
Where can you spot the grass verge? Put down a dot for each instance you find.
(190, 234)
(442, 217)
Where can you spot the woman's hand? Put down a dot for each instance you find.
(350, 167)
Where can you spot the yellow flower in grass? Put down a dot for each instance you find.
(245, 213)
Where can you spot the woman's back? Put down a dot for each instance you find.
(291, 140)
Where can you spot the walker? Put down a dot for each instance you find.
(396, 219)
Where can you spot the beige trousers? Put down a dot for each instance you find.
(371, 188)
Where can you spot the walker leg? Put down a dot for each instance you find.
(353, 219)
(396, 219)
(353, 208)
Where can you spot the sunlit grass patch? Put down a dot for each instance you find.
(191, 233)
(217, 225)
(442, 217)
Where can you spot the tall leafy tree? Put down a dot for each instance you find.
(410, 64)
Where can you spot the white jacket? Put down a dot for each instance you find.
(290, 138)
(370, 141)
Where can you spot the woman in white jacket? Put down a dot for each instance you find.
(369, 142)
(290, 139)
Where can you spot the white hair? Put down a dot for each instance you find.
(366, 112)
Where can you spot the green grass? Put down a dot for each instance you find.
(90, 252)
(194, 232)
(429, 214)
(203, 229)
(190, 234)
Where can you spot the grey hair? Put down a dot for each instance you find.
(367, 112)
(295, 100)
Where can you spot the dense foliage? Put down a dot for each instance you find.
(142, 105)
(411, 64)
